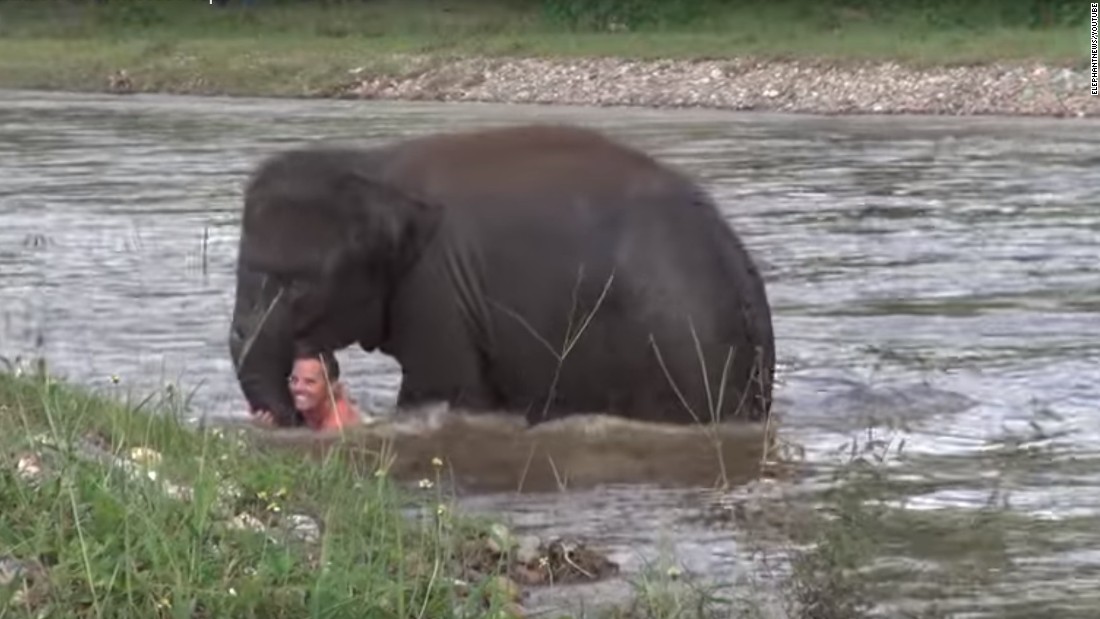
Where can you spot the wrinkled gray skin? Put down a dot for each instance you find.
(471, 258)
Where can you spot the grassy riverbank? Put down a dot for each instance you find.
(116, 507)
(111, 511)
(285, 48)
(199, 524)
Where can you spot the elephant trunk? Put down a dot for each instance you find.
(261, 346)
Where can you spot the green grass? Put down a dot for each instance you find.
(106, 543)
(308, 48)
(93, 530)
(100, 541)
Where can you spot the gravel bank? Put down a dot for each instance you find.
(739, 84)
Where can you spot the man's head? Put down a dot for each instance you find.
(311, 377)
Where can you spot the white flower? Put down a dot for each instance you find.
(144, 455)
(29, 467)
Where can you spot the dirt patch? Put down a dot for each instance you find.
(513, 567)
(529, 561)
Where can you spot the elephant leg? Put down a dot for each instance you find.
(438, 365)
(440, 360)
(416, 391)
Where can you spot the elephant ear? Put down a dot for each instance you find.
(312, 213)
(391, 225)
(288, 231)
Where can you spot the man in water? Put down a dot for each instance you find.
(318, 394)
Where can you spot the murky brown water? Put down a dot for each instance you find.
(938, 273)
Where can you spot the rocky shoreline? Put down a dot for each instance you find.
(797, 86)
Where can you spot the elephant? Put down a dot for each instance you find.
(535, 269)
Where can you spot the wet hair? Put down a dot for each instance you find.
(327, 358)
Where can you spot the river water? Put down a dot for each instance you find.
(934, 276)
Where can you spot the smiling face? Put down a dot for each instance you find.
(308, 386)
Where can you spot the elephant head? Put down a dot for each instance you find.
(323, 243)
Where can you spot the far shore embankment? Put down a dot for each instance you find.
(799, 86)
(1018, 58)
(804, 86)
